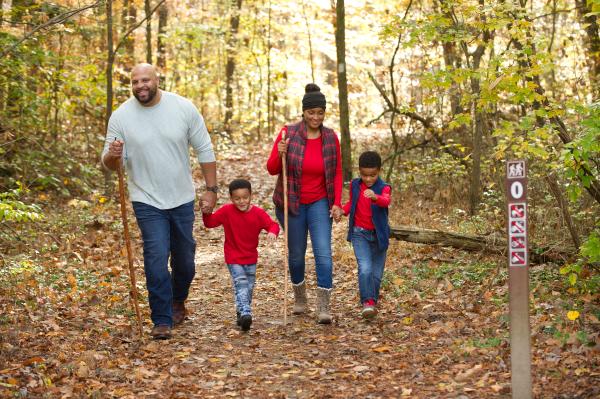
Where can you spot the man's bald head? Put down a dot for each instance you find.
(144, 84)
(144, 67)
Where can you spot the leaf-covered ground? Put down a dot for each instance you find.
(67, 329)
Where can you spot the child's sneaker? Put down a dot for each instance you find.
(245, 322)
(369, 309)
(238, 318)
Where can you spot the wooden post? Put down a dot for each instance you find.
(518, 279)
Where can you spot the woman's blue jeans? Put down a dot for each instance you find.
(371, 261)
(312, 218)
(167, 233)
(243, 278)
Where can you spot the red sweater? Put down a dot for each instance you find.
(362, 216)
(312, 184)
(241, 231)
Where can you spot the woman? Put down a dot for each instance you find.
(314, 179)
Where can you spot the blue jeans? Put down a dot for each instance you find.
(371, 261)
(243, 278)
(167, 233)
(312, 218)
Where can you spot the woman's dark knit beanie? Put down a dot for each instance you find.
(313, 98)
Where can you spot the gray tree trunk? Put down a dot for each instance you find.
(340, 44)
(148, 10)
(234, 24)
(161, 56)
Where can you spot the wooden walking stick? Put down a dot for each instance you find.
(128, 246)
(285, 231)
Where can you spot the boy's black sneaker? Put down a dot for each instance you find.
(238, 318)
(245, 322)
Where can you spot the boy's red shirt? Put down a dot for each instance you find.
(242, 230)
(363, 214)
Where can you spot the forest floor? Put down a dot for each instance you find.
(67, 328)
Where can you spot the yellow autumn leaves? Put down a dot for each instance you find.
(572, 315)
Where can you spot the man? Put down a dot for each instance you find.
(150, 135)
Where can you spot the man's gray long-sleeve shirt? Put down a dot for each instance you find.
(156, 150)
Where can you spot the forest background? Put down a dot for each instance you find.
(446, 90)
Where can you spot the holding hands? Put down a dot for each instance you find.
(208, 200)
(336, 213)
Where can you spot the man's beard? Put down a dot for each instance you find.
(151, 94)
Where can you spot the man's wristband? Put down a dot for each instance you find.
(214, 189)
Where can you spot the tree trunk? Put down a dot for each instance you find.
(269, 101)
(340, 44)
(310, 48)
(148, 9)
(161, 56)
(234, 24)
(130, 11)
(564, 208)
(479, 114)
(496, 244)
(108, 182)
(592, 41)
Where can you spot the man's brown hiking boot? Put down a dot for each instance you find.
(161, 332)
(178, 313)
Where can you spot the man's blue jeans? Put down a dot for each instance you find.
(312, 218)
(371, 261)
(167, 233)
(243, 278)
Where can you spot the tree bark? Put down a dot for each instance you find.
(108, 183)
(270, 121)
(564, 208)
(310, 48)
(234, 24)
(161, 56)
(340, 44)
(148, 31)
(130, 40)
(495, 244)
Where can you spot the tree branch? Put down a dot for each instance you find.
(53, 21)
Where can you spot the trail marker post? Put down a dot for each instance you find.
(518, 279)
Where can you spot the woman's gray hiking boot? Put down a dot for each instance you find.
(299, 298)
(323, 313)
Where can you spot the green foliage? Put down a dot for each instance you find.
(14, 210)
(581, 157)
(582, 276)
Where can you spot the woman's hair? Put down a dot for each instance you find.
(313, 98)
(369, 159)
(239, 183)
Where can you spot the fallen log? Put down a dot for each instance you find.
(493, 243)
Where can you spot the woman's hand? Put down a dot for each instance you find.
(336, 213)
(271, 237)
(282, 146)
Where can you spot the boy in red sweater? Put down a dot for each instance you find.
(368, 228)
(243, 223)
